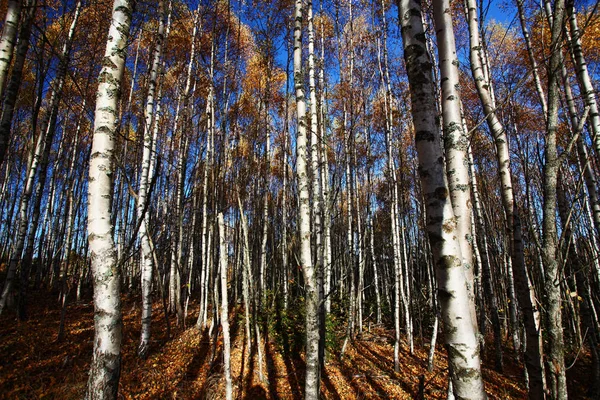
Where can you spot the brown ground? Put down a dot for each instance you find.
(34, 365)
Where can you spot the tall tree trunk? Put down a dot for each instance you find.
(485, 273)
(583, 77)
(526, 297)
(205, 250)
(265, 208)
(375, 271)
(105, 368)
(315, 130)
(284, 189)
(552, 301)
(145, 179)
(534, 67)
(460, 335)
(12, 89)
(456, 141)
(325, 190)
(399, 295)
(223, 261)
(48, 128)
(317, 193)
(8, 40)
(250, 293)
(311, 386)
(246, 263)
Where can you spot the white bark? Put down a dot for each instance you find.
(375, 271)
(8, 40)
(484, 275)
(106, 363)
(324, 169)
(455, 140)
(147, 259)
(245, 275)
(223, 261)
(12, 89)
(400, 299)
(265, 210)
(205, 249)
(534, 66)
(284, 245)
(583, 77)
(314, 142)
(533, 358)
(311, 386)
(460, 335)
(248, 292)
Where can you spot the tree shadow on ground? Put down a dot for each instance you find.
(385, 366)
(329, 385)
(270, 364)
(251, 371)
(292, 364)
(199, 358)
(256, 393)
(348, 367)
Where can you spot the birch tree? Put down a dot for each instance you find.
(105, 368)
(460, 337)
(456, 140)
(525, 291)
(223, 263)
(8, 40)
(311, 385)
(145, 178)
(11, 91)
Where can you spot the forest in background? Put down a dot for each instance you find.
(325, 183)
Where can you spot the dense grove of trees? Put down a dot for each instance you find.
(415, 164)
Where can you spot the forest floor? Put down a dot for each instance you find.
(33, 364)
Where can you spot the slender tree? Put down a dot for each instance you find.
(11, 92)
(552, 289)
(223, 264)
(460, 337)
(8, 40)
(311, 385)
(106, 363)
(525, 292)
(145, 178)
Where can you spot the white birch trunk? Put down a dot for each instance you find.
(205, 250)
(223, 261)
(314, 142)
(460, 335)
(11, 91)
(311, 386)
(8, 40)
(583, 77)
(265, 210)
(324, 168)
(245, 278)
(106, 363)
(284, 245)
(455, 141)
(533, 358)
(375, 271)
(534, 66)
(147, 259)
